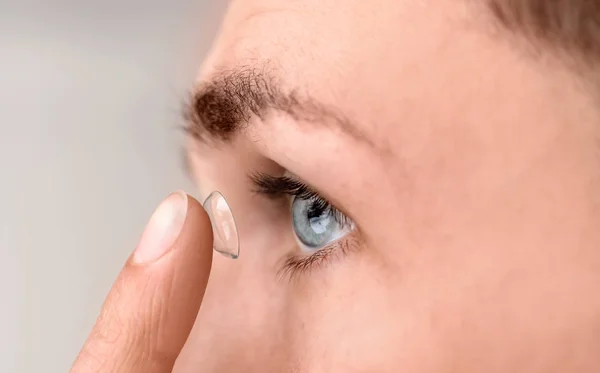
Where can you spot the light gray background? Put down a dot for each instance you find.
(90, 94)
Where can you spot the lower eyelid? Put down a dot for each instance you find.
(294, 264)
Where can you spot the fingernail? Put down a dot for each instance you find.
(163, 229)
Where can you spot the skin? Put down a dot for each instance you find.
(474, 187)
(476, 198)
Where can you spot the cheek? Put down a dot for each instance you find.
(478, 306)
(342, 321)
(241, 322)
(358, 316)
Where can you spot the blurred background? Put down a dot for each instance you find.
(90, 95)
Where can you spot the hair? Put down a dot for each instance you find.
(569, 27)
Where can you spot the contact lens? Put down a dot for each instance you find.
(225, 234)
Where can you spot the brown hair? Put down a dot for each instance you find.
(571, 27)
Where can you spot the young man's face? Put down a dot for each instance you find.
(463, 171)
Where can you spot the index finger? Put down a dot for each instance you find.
(152, 306)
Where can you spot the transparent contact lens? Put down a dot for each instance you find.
(226, 240)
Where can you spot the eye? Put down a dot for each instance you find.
(319, 227)
(317, 224)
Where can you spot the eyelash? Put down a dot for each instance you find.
(280, 186)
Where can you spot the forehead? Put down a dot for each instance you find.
(372, 60)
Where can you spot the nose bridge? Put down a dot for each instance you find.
(240, 326)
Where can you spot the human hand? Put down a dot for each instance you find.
(152, 306)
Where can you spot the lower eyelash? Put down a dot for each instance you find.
(295, 265)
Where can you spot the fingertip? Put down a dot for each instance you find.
(200, 217)
(163, 229)
(197, 229)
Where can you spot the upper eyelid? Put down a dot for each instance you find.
(277, 185)
(267, 185)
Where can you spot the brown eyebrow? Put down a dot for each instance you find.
(224, 105)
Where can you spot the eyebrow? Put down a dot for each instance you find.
(223, 106)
